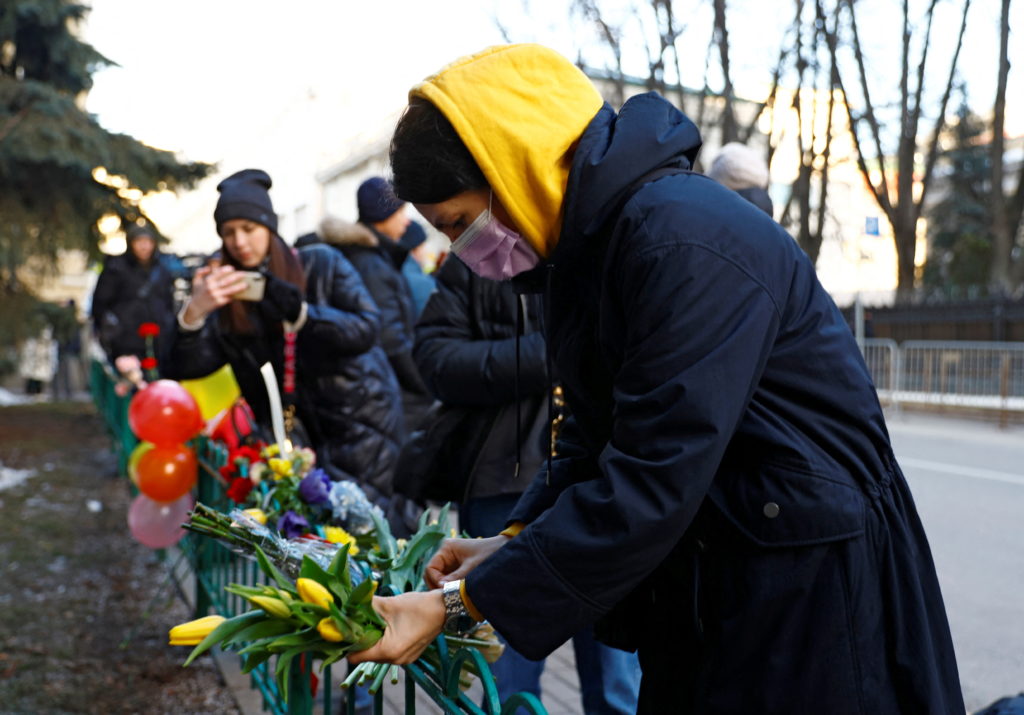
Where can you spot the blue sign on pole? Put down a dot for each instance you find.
(871, 225)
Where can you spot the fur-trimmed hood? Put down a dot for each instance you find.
(338, 232)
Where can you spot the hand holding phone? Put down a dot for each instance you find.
(255, 285)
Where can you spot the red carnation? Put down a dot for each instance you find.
(227, 471)
(250, 453)
(239, 490)
(149, 330)
(148, 363)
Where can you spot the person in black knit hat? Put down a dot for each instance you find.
(346, 396)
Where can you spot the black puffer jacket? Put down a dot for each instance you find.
(347, 396)
(128, 294)
(466, 352)
(389, 289)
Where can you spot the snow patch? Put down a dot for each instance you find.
(13, 477)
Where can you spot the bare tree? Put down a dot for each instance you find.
(806, 209)
(900, 203)
(1007, 211)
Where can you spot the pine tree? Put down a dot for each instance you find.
(51, 197)
(960, 222)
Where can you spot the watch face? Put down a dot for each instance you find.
(459, 624)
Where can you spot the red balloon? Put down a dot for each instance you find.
(164, 413)
(167, 473)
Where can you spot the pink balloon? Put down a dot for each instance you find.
(158, 524)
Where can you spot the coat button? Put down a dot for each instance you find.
(771, 510)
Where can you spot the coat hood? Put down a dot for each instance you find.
(520, 110)
(338, 232)
(617, 150)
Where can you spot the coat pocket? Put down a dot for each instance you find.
(776, 505)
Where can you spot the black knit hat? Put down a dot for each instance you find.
(376, 200)
(244, 194)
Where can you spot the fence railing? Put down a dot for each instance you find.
(214, 566)
(976, 375)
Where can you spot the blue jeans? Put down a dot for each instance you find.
(609, 678)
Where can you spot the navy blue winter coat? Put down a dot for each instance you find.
(726, 498)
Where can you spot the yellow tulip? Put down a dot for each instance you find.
(256, 515)
(272, 606)
(312, 592)
(272, 450)
(328, 630)
(193, 632)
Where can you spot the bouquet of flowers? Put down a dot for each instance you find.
(290, 493)
(326, 611)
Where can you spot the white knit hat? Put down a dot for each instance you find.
(737, 166)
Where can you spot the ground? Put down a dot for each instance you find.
(75, 634)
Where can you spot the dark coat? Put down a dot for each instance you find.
(128, 294)
(347, 396)
(365, 250)
(727, 485)
(466, 352)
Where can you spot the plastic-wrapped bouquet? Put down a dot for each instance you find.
(293, 494)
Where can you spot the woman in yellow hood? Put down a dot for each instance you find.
(725, 499)
(520, 160)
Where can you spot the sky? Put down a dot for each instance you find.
(199, 76)
(213, 79)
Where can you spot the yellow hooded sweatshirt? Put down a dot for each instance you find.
(520, 110)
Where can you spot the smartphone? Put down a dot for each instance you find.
(255, 283)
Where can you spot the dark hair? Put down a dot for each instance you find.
(429, 162)
(282, 262)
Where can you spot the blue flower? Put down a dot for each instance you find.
(292, 525)
(315, 487)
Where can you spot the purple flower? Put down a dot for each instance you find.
(291, 525)
(315, 487)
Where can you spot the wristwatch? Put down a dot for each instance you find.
(457, 620)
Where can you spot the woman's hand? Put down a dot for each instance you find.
(212, 288)
(457, 557)
(414, 620)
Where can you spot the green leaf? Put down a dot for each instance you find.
(312, 570)
(331, 659)
(224, 631)
(255, 660)
(269, 627)
(363, 593)
(339, 566)
(303, 612)
(304, 637)
(272, 571)
(388, 545)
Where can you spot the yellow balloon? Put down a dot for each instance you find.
(214, 393)
(133, 460)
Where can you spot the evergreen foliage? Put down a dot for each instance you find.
(960, 222)
(51, 197)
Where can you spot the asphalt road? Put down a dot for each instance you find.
(967, 478)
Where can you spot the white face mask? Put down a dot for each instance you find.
(492, 250)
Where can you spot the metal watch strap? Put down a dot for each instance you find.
(456, 616)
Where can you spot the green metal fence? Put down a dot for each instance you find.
(215, 566)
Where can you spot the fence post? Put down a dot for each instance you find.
(1004, 388)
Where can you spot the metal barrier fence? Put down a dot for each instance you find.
(976, 375)
(215, 566)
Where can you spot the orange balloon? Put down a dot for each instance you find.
(167, 473)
